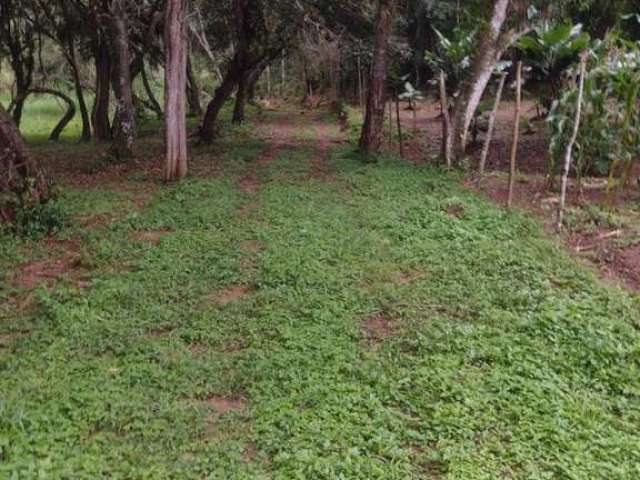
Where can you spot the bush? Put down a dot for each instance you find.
(28, 217)
(38, 221)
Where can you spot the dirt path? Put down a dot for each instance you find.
(295, 130)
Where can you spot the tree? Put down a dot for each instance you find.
(103, 64)
(22, 183)
(124, 128)
(62, 23)
(175, 84)
(18, 37)
(372, 130)
(509, 21)
(261, 30)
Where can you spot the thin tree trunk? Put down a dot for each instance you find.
(372, 130)
(193, 91)
(223, 92)
(153, 101)
(125, 121)
(446, 122)
(269, 82)
(175, 84)
(66, 118)
(100, 111)
(84, 111)
(241, 100)
(415, 116)
(516, 135)
(572, 141)
(390, 110)
(400, 139)
(492, 124)
(360, 93)
(283, 66)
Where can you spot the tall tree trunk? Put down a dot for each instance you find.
(77, 83)
(193, 91)
(22, 183)
(372, 130)
(124, 130)
(175, 40)
(493, 41)
(100, 111)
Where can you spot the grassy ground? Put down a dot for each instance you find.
(300, 315)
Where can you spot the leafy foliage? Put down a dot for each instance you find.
(610, 127)
(453, 56)
(549, 51)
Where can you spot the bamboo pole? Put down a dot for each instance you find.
(516, 135)
(572, 141)
(492, 124)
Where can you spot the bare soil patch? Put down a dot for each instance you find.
(223, 405)
(455, 211)
(253, 246)
(378, 327)
(162, 331)
(6, 339)
(620, 264)
(231, 294)
(150, 236)
(327, 135)
(34, 274)
(250, 183)
(406, 278)
(250, 452)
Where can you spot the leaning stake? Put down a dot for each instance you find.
(492, 124)
(574, 137)
(516, 135)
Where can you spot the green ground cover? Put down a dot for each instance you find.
(378, 323)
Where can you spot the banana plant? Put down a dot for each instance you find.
(549, 51)
(411, 95)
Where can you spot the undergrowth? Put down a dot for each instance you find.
(503, 359)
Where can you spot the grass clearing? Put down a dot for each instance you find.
(242, 345)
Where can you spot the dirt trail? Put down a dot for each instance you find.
(277, 130)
